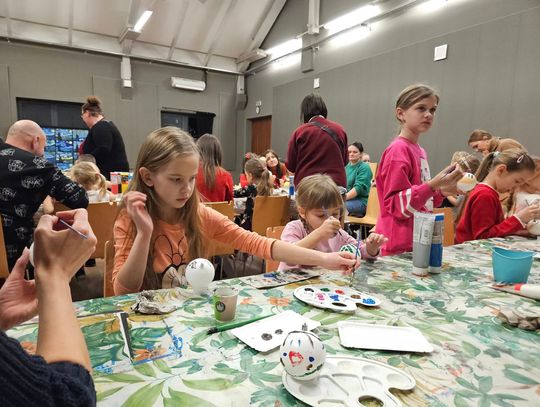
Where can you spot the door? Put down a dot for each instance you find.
(261, 134)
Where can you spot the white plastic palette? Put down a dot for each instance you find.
(349, 381)
(382, 337)
(269, 333)
(335, 298)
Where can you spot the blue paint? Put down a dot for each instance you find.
(311, 359)
(368, 300)
(334, 297)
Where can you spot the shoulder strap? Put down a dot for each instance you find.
(330, 132)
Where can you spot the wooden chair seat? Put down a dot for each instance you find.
(269, 211)
(275, 233)
(218, 248)
(101, 217)
(108, 290)
(449, 227)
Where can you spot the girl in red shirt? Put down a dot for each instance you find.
(214, 183)
(482, 215)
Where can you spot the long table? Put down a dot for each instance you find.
(477, 360)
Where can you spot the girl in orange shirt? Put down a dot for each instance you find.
(162, 225)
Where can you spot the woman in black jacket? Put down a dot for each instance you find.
(104, 140)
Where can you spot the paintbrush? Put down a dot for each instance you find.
(355, 258)
(63, 222)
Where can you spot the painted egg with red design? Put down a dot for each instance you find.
(302, 355)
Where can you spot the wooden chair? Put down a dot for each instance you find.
(101, 217)
(373, 167)
(372, 212)
(226, 209)
(270, 211)
(4, 272)
(372, 208)
(449, 227)
(108, 290)
(275, 233)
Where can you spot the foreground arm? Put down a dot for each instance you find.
(57, 256)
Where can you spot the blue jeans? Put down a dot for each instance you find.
(356, 207)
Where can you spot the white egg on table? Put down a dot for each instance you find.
(467, 182)
(302, 355)
(199, 274)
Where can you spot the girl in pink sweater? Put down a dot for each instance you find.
(163, 226)
(321, 211)
(403, 179)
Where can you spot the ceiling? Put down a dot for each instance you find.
(210, 34)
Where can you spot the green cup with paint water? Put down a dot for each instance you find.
(224, 301)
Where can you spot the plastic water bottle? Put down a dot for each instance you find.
(291, 186)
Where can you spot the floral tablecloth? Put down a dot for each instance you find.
(477, 361)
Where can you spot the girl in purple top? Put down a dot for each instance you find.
(320, 207)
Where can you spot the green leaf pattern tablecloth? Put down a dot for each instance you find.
(477, 360)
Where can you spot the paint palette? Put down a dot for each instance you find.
(353, 334)
(268, 333)
(337, 299)
(349, 381)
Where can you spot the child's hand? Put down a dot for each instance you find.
(329, 228)
(529, 213)
(136, 208)
(373, 242)
(343, 261)
(446, 180)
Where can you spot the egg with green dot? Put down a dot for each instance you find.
(351, 248)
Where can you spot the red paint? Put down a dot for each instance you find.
(296, 358)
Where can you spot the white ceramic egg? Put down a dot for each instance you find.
(467, 182)
(534, 227)
(302, 355)
(349, 247)
(199, 274)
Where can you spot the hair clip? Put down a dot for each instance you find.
(520, 158)
(496, 153)
(247, 156)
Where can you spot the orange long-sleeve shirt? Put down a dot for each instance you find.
(170, 247)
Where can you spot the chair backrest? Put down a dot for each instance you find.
(373, 167)
(225, 208)
(4, 272)
(372, 207)
(108, 290)
(218, 248)
(449, 227)
(270, 211)
(101, 217)
(275, 233)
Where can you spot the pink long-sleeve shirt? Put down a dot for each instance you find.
(401, 176)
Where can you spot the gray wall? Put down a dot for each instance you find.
(38, 72)
(490, 79)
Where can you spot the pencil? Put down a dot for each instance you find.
(63, 222)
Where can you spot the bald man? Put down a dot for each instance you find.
(26, 178)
